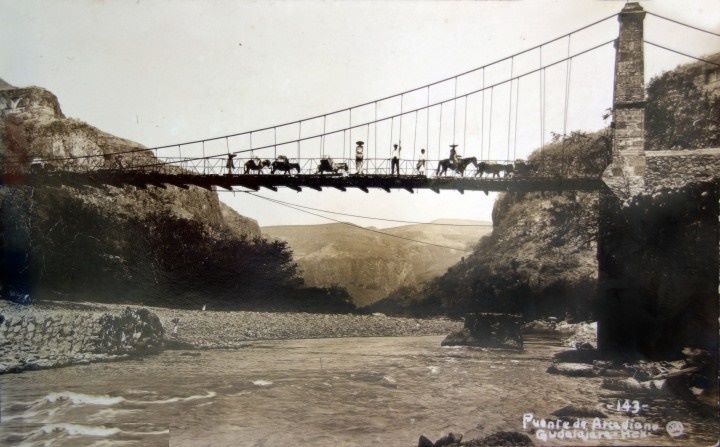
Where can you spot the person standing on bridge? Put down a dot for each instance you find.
(395, 162)
(359, 156)
(230, 164)
(421, 163)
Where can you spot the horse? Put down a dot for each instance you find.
(285, 166)
(494, 169)
(443, 166)
(251, 165)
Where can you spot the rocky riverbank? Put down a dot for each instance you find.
(222, 329)
(38, 337)
(57, 334)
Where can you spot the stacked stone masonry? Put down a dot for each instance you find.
(31, 339)
(678, 168)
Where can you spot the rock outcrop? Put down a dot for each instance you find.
(133, 331)
(489, 330)
(541, 258)
(32, 125)
(498, 439)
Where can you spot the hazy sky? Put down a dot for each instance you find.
(161, 72)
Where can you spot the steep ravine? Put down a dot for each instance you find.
(371, 266)
(33, 125)
(541, 258)
(162, 246)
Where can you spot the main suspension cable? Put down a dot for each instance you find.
(321, 136)
(473, 70)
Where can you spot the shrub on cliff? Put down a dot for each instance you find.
(71, 251)
(539, 259)
(680, 113)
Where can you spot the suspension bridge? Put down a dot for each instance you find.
(491, 117)
(502, 120)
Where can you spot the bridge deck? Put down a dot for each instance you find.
(316, 182)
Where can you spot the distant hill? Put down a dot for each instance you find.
(371, 266)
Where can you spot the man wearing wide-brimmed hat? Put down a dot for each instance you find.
(230, 164)
(359, 156)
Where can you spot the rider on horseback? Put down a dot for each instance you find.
(454, 157)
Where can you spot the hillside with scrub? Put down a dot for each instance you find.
(541, 258)
(156, 246)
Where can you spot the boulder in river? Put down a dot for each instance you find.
(501, 438)
(489, 330)
(450, 439)
(133, 331)
(578, 412)
(572, 369)
(425, 442)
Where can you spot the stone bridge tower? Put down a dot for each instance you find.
(623, 178)
(625, 174)
(657, 227)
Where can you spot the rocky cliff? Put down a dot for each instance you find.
(541, 258)
(33, 125)
(156, 245)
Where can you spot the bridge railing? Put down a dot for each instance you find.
(307, 166)
(247, 166)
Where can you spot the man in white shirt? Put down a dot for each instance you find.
(421, 163)
(395, 162)
(359, 156)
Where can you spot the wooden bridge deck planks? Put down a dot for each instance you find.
(315, 182)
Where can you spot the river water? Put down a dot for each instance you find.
(325, 392)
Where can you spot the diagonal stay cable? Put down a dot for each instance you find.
(357, 226)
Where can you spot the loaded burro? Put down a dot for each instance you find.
(417, 165)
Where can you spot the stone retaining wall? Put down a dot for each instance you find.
(35, 339)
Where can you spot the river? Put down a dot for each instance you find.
(322, 392)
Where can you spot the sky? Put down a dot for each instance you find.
(163, 72)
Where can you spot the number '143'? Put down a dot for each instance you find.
(629, 406)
